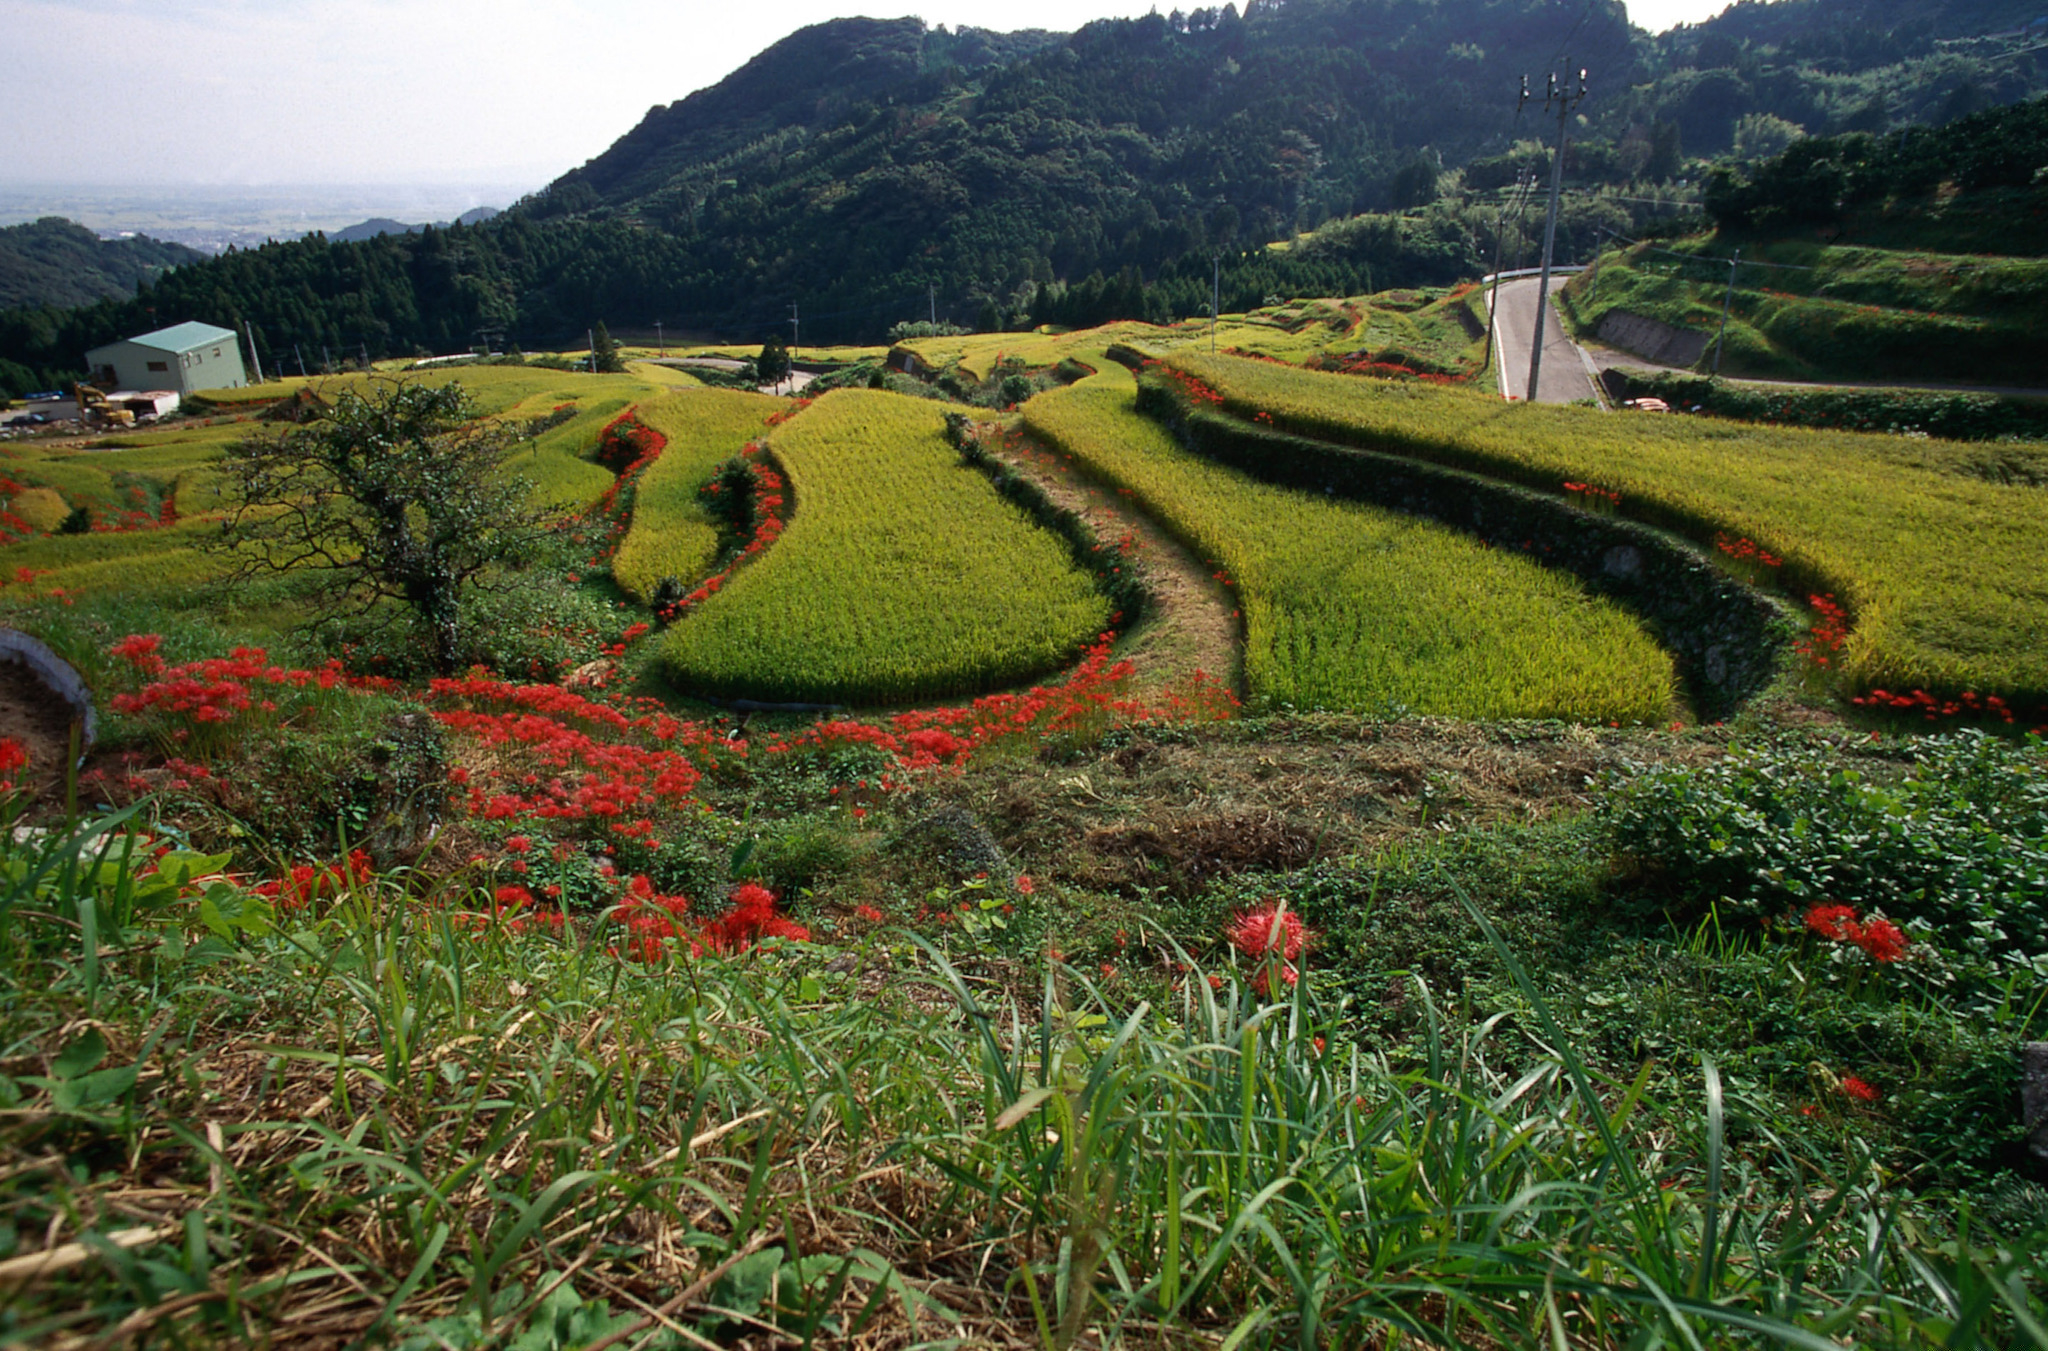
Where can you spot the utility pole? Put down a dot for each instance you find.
(1726, 301)
(794, 321)
(365, 348)
(659, 338)
(933, 296)
(249, 331)
(1524, 180)
(1215, 299)
(302, 360)
(1566, 99)
(326, 360)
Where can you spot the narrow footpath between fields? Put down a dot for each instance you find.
(1194, 624)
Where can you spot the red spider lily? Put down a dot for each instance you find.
(1025, 886)
(1881, 939)
(140, 651)
(1830, 630)
(1858, 1090)
(13, 759)
(1269, 931)
(1836, 923)
(304, 883)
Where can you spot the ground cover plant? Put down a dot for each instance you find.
(868, 599)
(1938, 576)
(550, 1096)
(673, 535)
(1349, 606)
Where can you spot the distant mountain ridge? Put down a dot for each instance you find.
(868, 171)
(384, 225)
(57, 262)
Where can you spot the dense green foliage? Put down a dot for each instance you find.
(54, 262)
(1957, 847)
(397, 494)
(1857, 181)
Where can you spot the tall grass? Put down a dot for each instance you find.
(372, 1117)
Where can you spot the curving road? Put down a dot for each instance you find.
(1566, 377)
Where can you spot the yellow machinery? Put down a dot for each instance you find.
(94, 407)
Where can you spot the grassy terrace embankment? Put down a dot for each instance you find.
(1945, 576)
(901, 575)
(1811, 311)
(1349, 606)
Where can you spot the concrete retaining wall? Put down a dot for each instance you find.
(1651, 339)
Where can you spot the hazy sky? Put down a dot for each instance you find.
(220, 92)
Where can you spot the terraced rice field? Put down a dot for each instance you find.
(1347, 606)
(672, 535)
(130, 474)
(1944, 574)
(901, 575)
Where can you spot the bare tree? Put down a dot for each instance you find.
(401, 495)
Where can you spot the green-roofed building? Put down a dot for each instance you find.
(183, 357)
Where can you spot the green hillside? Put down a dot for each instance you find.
(875, 171)
(54, 262)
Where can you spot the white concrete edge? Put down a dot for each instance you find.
(1532, 272)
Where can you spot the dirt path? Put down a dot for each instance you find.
(1193, 624)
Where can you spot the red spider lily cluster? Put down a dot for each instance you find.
(1857, 1089)
(1275, 937)
(13, 759)
(515, 910)
(658, 926)
(1188, 384)
(928, 738)
(569, 774)
(306, 883)
(626, 441)
(770, 493)
(1746, 550)
(1931, 708)
(1593, 492)
(612, 512)
(219, 689)
(777, 418)
(1823, 642)
(1879, 938)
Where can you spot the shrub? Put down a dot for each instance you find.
(1958, 843)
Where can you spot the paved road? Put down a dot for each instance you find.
(1564, 376)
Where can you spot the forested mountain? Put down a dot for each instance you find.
(867, 170)
(54, 262)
